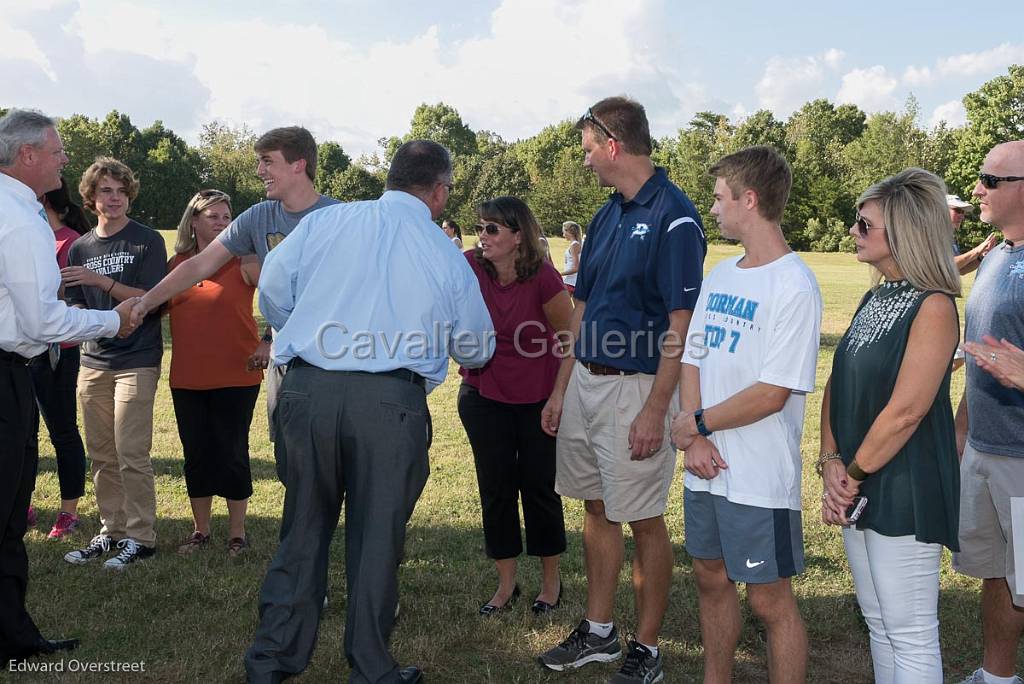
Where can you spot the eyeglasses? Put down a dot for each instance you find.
(862, 226)
(589, 116)
(491, 228)
(990, 181)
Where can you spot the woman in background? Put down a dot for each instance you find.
(214, 378)
(452, 230)
(571, 232)
(55, 386)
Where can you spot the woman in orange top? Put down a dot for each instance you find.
(214, 376)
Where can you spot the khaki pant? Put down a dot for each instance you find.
(117, 413)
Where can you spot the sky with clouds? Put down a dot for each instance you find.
(355, 70)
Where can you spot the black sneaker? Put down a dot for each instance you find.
(582, 647)
(641, 667)
(130, 552)
(96, 547)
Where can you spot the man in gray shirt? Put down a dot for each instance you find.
(990, 420)
(286, 163)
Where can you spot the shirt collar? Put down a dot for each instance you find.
(411, 201)
(648, 190)
(21, 190)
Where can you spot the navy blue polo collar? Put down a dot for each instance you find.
(647, 191)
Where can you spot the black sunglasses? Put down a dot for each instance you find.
(589, 116)
(491, 228)
(990, 181)
(862, 226)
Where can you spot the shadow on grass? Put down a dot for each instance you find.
(261, 468)
(191, 618)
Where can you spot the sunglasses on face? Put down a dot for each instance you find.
(589, 116)
(862, 226)
(989, 181)
(490, 228)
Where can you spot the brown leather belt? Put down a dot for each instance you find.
(598, 369)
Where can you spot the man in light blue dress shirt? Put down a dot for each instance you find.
(369, 299)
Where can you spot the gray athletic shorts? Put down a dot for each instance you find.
(759, 545)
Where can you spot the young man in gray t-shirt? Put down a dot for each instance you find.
(286, 163)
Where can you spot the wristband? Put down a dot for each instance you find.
(267, 337)
(112, 284)
(698, 417)
(854, 471)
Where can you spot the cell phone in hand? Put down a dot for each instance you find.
(856, 508)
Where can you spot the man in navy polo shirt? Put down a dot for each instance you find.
(639, 278)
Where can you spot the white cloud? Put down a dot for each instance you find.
(870, 89)
(981, 63)
(917, 76)
(789, 82)
(952, 112)
(267, 74)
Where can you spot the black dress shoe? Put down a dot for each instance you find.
(410, 675)
(543, 607)
(45, 647)
(489, 609)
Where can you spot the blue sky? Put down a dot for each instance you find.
(354, 70)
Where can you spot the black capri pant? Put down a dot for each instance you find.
(514, 458)
(214, 429)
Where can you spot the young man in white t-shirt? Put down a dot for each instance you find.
(750, 359)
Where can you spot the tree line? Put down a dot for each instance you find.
(836, 151)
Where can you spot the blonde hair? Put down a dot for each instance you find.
(573, 228)
(916, 219)
(202, 200)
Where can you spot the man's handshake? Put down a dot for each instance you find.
(126, 311)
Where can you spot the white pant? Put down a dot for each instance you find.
(897, 582)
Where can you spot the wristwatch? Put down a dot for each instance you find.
(698, 417)
(267, 337)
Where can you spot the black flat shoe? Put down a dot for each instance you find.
(488, 609)
(543, 607)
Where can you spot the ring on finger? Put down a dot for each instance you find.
(824, 495)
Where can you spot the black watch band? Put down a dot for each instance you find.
(267, 337)
(698, 417)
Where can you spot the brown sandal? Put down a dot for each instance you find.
(195, 541)
(237, 545)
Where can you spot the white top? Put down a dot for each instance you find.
(571, 262)
(375, 286)
(757, 325)
(31, 316)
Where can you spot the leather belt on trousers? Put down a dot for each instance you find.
(400, 373)
(598, 369)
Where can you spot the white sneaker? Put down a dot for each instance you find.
(130, 552)
(978, 677)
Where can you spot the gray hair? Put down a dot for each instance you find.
(21, 127)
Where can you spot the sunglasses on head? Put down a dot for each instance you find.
(589, 116)
(990, 181)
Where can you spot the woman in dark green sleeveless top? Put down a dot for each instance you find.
(887, 424)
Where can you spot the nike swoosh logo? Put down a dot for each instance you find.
(689, 289)
(754, 565)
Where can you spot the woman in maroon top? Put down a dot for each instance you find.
(500, 404)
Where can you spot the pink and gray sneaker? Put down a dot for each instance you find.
(66, 524)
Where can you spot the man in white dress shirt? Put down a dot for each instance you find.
(31, 320)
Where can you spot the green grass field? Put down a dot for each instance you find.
(191, 619)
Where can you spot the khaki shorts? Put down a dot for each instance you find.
(593, 460)
(987, 482)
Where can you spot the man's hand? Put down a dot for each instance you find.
(124, 312)
(646, 433)
(703, 460)
(682, 434)
(80, 275)
(259, 358)
(985, 246)
(138, 311)
(551, 415)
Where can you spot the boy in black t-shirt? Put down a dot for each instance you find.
(118, 259)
